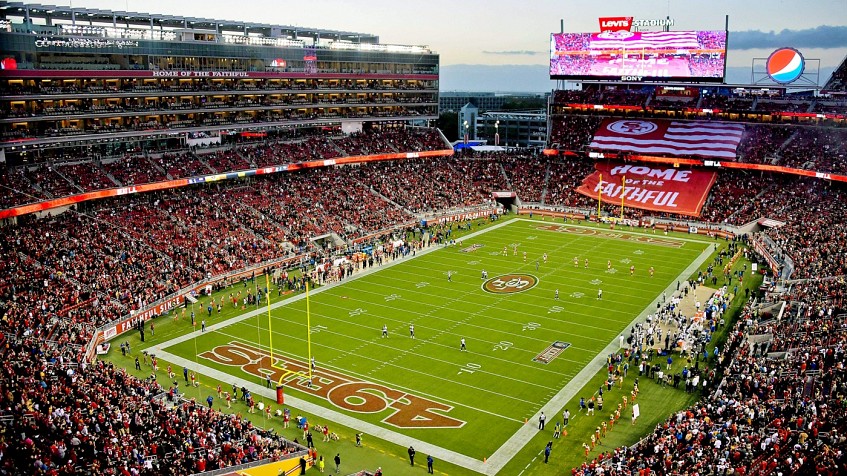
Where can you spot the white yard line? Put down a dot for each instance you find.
(509, 448)
(517, 441)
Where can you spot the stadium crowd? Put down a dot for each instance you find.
(778, 408)
(64, 417)
(66, 175)
(63, 276)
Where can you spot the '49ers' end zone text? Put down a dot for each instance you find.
(653, 240)
(407, 410)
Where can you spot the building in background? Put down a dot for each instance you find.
(455, 100)
(467, 121)
(512, 129)
(97, 79)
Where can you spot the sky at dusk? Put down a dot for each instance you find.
(499, 32)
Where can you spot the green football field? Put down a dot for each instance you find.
(524, 346)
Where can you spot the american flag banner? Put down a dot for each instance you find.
(648, 40)
(655, 136)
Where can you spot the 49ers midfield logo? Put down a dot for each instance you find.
(401, 409)
(510, 283)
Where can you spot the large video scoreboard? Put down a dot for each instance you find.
(696, 56)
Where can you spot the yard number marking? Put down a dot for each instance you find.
(469, 368)
(502, 345)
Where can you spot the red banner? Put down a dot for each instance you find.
(668, 190)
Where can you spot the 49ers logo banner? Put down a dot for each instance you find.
(659, 189)
(510, 283)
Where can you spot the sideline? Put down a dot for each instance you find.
(319, 410)
(516, 442)
(509, 449)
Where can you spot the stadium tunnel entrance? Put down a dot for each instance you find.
(508, 200)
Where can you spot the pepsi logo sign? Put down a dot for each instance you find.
(785, 65)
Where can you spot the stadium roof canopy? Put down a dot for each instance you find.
(63, 14)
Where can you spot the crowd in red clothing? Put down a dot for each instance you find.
(68, 175)
(778, 409)
(63, 276)
(72, 418)
(133, 170)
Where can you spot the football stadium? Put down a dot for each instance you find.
(238, 248)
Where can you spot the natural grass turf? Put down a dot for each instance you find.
(508, 385)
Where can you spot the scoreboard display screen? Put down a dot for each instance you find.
(697, 56)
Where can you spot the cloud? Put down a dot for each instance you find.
(516, 53)
(820, 37)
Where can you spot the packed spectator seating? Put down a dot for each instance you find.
(485, 174)
(527, 174)
(777, 409)
(133, 170)
(78, 173)
(64, 276)
(818, 149)
(95, 419)
(448, 183)
(830, 106)
(573, 132)
(760, 143)
(732, 193)
(16, 189)
(182, 164)
(770, 105)
(225, 160)
(565, 176)
(87, 175)
(52, 182)
(815, 229)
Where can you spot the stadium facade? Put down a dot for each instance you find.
(86, 77)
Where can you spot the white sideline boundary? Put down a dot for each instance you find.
(509, 448)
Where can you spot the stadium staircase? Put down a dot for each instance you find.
(649, 99)
(812, 106)
(699, 102)
(731, 217)
(56, 171)
(267, 218)
(546, 183)
(383, 197)
(342, 152)
(32, 185)
(156, 166)
(791, 138)
(505, 175)
(755, 103)
(244, 158)
(99, 165)
(203, 161)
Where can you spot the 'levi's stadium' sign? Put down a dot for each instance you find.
(615, 23)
